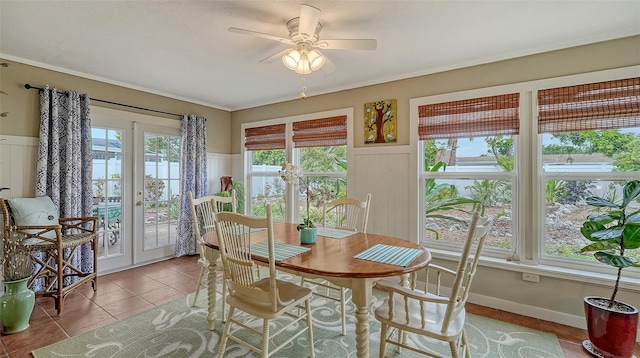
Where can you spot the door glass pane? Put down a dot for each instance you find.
(161, 190)
(107, 190)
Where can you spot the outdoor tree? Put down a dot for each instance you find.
(501, 147)
(268, 157)
(322, 159)
(559, 149)
(168, 146)
(628, 159)
(607, 142)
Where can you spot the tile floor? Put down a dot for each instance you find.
(125, 293)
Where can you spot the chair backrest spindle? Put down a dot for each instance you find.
(348, 213)
(234, 236)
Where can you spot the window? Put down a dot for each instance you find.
(531, 156)
(587, 131)
(322, 152)
(315, 143)
(468, 148)
(266, 148)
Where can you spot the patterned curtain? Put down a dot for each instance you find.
(65, 158)
(193, 173)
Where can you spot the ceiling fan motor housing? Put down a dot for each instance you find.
(294, 34)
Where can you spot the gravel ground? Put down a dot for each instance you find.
(563, 223)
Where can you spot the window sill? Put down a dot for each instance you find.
(590, 277)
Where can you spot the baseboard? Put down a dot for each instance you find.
(532, 311)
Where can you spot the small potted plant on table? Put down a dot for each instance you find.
(289, 173)
(611, 324)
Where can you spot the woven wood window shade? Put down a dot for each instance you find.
(603, 105)
(265, 138)
(476, 117)
(323, 132)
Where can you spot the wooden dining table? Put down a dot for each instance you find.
(331, 259)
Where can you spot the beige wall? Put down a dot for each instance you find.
(605, 55)
(558, 296)
(223, 128)
(23, 105)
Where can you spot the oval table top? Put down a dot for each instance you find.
(334, 257)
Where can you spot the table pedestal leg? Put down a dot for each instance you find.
(211, 295)
(361, 291)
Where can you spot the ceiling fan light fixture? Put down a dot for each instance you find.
(291, 59)
(316, 60)
(303, 66)
(304, 62)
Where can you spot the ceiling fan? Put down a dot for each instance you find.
(304, 36)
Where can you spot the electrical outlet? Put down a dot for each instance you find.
(530, 277)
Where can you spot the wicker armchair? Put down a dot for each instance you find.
(53, 247)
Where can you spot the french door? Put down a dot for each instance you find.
(136, 186)
(157, 191)
(111, 147)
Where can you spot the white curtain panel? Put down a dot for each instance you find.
(193, 174)
(65, 158)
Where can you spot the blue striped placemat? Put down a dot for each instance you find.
(334, 233)
(388, 254)
(282, 251)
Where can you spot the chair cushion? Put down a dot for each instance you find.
(38, 211)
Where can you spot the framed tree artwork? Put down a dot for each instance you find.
(380, 122)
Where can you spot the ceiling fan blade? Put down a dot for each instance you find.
(329, 66)
(260, 34)
(351, 44)
(275, 57)
(309, 17)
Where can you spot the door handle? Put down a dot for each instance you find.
(139, 203)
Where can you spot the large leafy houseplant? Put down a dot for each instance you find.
(613, 232)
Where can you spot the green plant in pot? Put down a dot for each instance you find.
(289, 173)
(613, 231)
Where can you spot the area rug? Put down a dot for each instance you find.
(177, 330)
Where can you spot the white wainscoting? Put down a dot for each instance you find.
(222, 165)
(18, 156)
(385, 173)
(218, 165)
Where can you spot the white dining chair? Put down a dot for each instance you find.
(346, 214)
(267, 298)
(424, 309)
(202, 218)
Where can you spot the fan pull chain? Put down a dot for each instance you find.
(303, 95)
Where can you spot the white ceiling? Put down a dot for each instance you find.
(183, 49)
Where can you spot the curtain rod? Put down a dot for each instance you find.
(28, 86)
